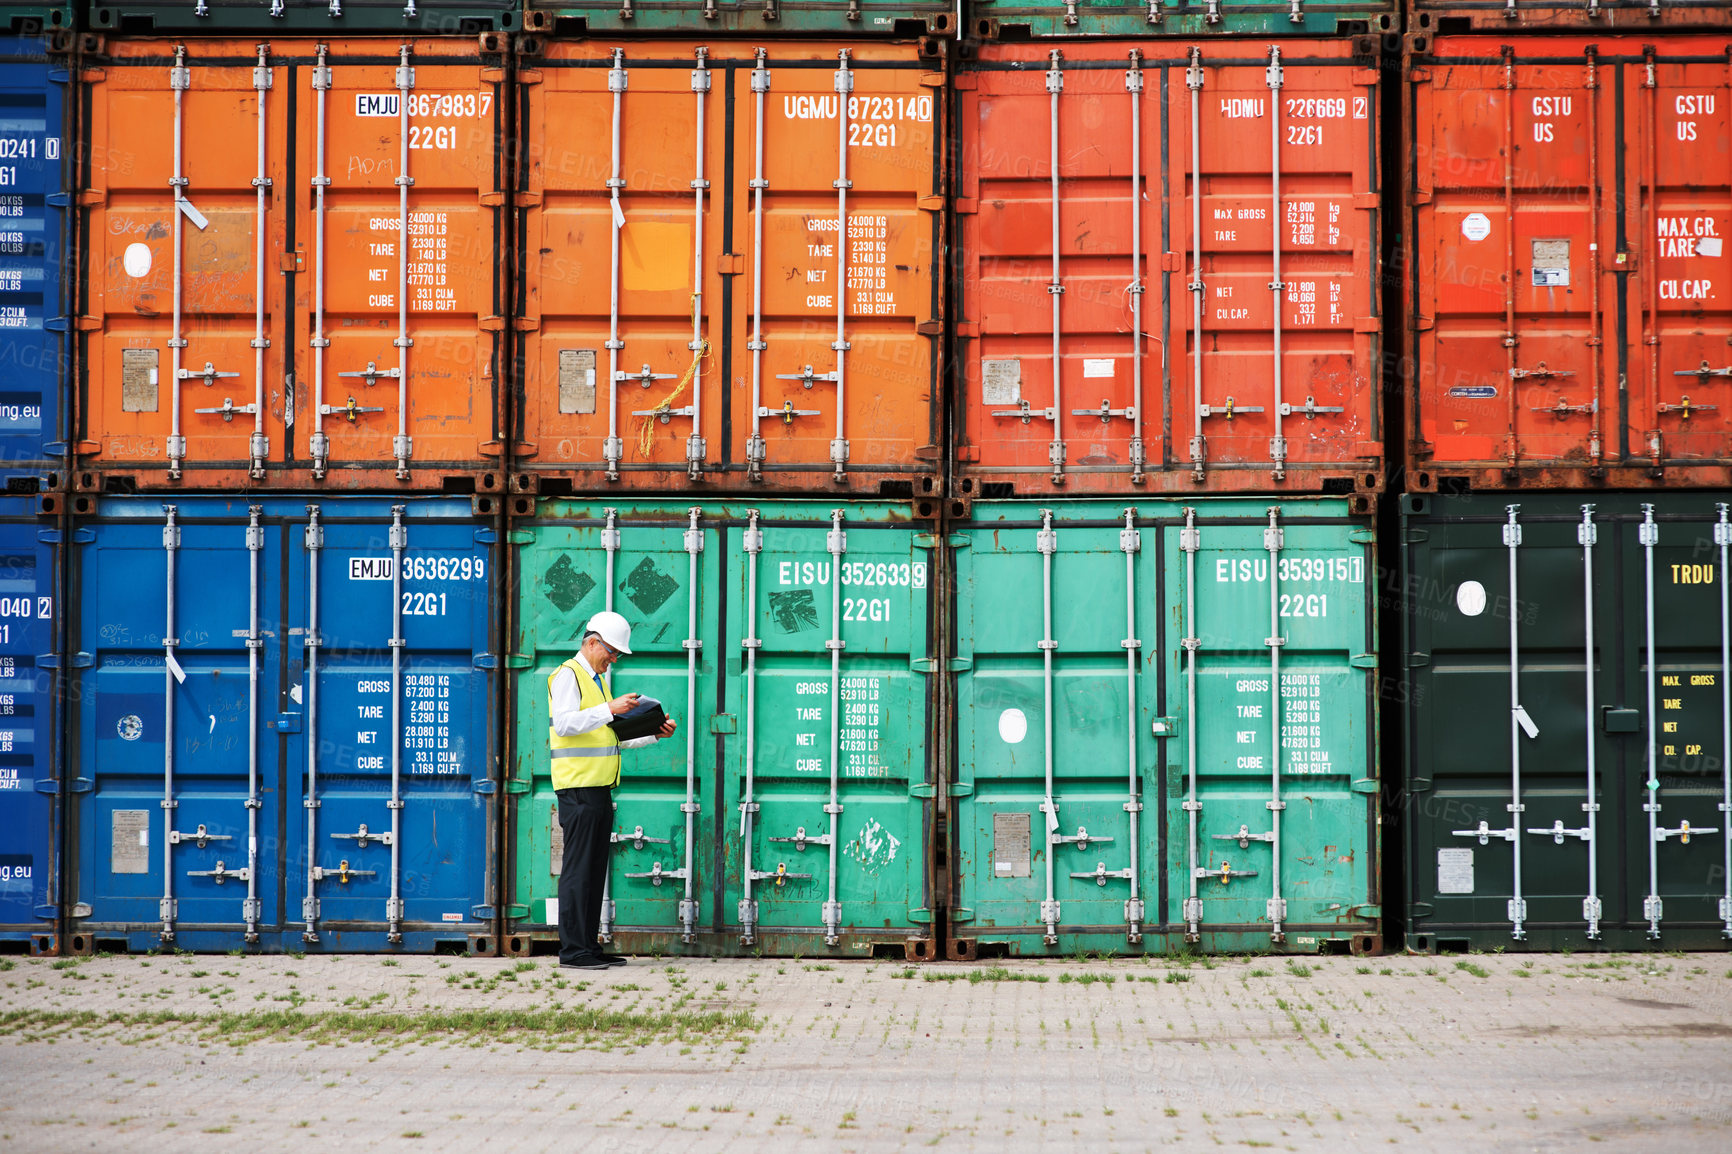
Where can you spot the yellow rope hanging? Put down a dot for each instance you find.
(646, 428)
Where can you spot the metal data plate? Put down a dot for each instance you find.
(129, 842)
(1010, 845)
(577, 380)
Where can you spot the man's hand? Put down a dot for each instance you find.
(624, 704)
(667, 729)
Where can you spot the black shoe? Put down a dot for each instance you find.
(615, 959)
(586, 962)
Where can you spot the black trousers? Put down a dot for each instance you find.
(586, 820)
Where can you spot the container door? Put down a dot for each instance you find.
(1100, 207)
(1057, 710)
(652, 564)
(399, 236)
(1500, 710)
(33, 251)
(1675, 792)
(1279, 370)
(829, 615)
(185, 192)
(29, 724)
(390, 610)
(624, 279)
(1274, 683)
(176, 781)
(1683, 350)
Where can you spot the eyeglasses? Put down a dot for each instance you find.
(611, 651)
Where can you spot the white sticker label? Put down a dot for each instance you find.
(552, 915)
(136, 260)
(1476, 226)
(1708, 246)
(1012, 725)
(452, 917)
(1470, 598)
(1455, 871)
(376, 104)
(1097, 368)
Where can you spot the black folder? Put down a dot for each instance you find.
(645, 719)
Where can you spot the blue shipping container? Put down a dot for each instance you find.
(34, 207)
(283, 725)
(29, 728)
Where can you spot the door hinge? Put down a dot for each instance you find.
(1363, 661)
(483, 785)
(1362, 536)
(81, 785)
(484, 661)
(1418, 660)
(514, 787)
(1366, 912)
(48, 786)
(1420, 909)
(1364, 785)
(520, 536)
(961, 914)
(921, 915)
(930, 203)
(516, 911)
(961, 789)
(922, 789)
(480, 913)
(519, 661)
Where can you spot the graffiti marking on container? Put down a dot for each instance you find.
(874, 847)
(648, 587)
(794, 610)
(566, 585)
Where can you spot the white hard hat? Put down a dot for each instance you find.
(614, 630)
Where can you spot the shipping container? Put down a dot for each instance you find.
(335, 18)
(1569, 287)
(34, 239)
(1593, 813)
(773, 19)
(1523, 16)
(30, 765)
(291, 272)
(29, 19)
(792, 813)
(283, 725)
(1168, 267)
(1166, 725)
(1213, 19)
(687, 314)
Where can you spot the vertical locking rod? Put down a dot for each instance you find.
(1189, 539)
(695, 442)
(1652, 908)
(170, 675)
(1055, 451)
(1518, 906)
(1134, 86)
(836, 543)
(694, 542)
(315, 539)
(401, 445)
(613, 448)
(1723, 538)
(258, 445)
(179, 79)
(1588, 535)
(1274, 540)
(755, 444)
(844, 96)
(250, 910)
(319, 445)
(751, 643)
(610, 547)
(1047, 542)
(1278, 290)
(1130, 542)
(1194, 82)
(399, 543)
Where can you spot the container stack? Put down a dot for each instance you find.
(1565, 529)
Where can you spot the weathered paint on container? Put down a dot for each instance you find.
(35, 237)
(1518, 17)
(35, 19)
(1233, 182)
(1570, 290)
(288, 295)
(794, 782)
(1120, 669)
(1212, 19)
(334, 18)
(30, 777)
(282, 737)
(1545, 807)
(687, 327)
(775, 19)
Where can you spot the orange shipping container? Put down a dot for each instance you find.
(290, 264)
(1571, 286)
(1190, 237)
(693, 310)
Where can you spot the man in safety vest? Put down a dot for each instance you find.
(585, 753)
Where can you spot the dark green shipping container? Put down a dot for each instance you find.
(1568, 720)
(1166, 715)
(1021, 19)
(771, 18)
(317, 17)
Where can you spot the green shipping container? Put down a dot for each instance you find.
(1568, 721)
(319, 17)
(1166, 723)
(773, 18)
(1021, 19)
(793, 810)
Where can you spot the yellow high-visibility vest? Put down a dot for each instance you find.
(589, 758)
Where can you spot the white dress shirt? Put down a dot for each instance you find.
(570, 718)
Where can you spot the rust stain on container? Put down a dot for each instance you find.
(689, 309)
(263, 305)
(1210, 306)
(1570, 298)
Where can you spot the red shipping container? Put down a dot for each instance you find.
(1191, 235)
(689, 313)
(291, 272)
(1504, 17)
(1570, 290)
